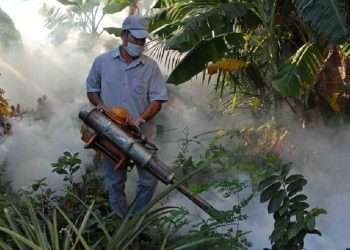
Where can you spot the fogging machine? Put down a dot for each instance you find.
(110, 134)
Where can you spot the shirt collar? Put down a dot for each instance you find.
(116, 54)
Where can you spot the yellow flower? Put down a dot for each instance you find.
(226, 65)
(4, 106)
(212, 69)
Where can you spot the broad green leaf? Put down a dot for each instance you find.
(299, 206)
(269, 192)
(293, 178)
(296, 186)
(318, 211)
(310, 222)
(60, 171)
(276, 201)
(267, 182)
(205, 51)
(315, 231)
(298, 198)
(67, 154)
(299, 72)
(327, 17)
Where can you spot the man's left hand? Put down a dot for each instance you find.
(137, 122)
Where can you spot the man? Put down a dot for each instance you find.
(125, 77)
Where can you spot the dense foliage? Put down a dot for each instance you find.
(289, 206)
(285, 46)
(259, 54)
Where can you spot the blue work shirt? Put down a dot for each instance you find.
(133, 86)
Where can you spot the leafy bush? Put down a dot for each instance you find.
(289, 207)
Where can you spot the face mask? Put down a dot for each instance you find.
(133, 49)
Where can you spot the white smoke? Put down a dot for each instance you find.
(60, 72)
(41, 69)
(322, 155)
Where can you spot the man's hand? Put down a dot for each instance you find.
(136, 122)
(102, 107)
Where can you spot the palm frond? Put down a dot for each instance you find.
(300, 71)
(185, 24)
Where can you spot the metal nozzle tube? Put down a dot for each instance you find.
(163, 173)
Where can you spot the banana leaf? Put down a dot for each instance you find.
(209, 50)
(326, 17)
(299, 72)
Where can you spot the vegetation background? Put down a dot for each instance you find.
(254, 85)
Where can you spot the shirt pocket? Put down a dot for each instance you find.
(138, 89)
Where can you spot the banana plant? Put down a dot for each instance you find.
(300, 71)
(285, 42)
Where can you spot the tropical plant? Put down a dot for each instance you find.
(289, 207)
(84, 16)
(23, 228)
(68, 164)
(283, 45)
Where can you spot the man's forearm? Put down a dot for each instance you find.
(151, 110)
(94, 98)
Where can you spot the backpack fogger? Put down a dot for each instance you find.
(110, 134)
